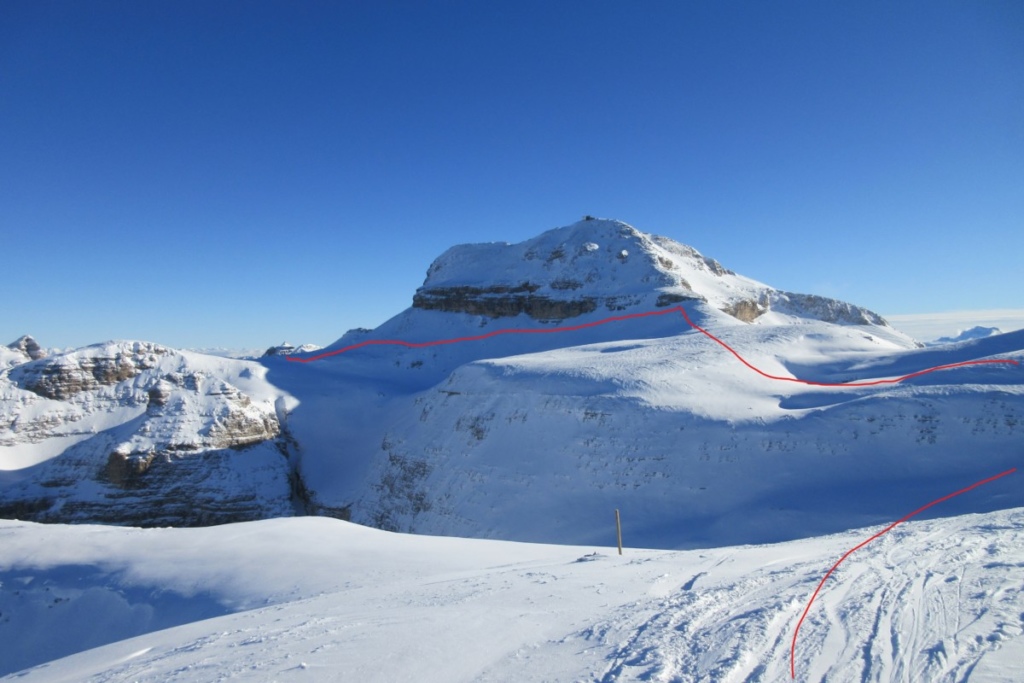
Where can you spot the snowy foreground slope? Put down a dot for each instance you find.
(314, 599)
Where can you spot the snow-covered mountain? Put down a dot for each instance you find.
(137, 433)
(537, 435)
(602, 265)
(976, 332)
(22, 350)
(578, 386)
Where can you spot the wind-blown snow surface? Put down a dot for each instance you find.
(305, 599)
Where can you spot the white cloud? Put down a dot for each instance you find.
(929, 326)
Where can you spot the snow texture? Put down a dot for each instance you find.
(317, 599)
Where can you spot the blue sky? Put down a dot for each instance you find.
(239, 173)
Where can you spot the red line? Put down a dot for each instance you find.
(631, 316)
(495, 333)
(870, 383)
(796, 632)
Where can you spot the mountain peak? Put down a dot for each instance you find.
(976, 332)
(563, 273)
(28, 346)
(599, 263)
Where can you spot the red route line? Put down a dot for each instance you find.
(631, 316)
(796, 632)
(495, 333)
(870, 383)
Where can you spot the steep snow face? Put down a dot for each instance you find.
(600, 264)
(317, 599)
(117, 432)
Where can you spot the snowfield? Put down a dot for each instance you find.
(314, 599)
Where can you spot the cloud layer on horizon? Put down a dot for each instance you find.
(930, 326)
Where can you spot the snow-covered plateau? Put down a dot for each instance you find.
(528, 392)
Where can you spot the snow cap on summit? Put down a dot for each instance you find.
(28, 346)
(586, 255)
(605, 264)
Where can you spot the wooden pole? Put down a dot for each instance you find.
(618, 529)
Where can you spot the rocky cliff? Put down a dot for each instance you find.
(137, 433)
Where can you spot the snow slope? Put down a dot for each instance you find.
(319, 599)
(536, 437)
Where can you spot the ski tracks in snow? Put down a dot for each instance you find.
(923, 605)
(932, 601)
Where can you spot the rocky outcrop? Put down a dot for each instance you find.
(61, 377)
(803, 306)
(502, 302)
(29, 347)
(125, 470)
(150, 436)
(747, 310)
(239, 428)
(823, 308)
(157, 488)
(23, 350)
(286, 349)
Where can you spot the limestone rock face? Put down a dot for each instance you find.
(824, 309)
(503, 302)
(61, 377)
(136, 433)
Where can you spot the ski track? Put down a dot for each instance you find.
(938, 600)
(645, 314)
(894, 614)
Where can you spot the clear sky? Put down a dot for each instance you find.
(239, 173)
